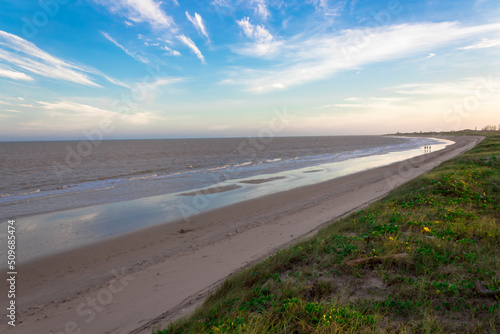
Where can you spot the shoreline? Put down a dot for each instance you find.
(53, 203)
(165, 271)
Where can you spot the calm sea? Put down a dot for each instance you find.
(33, 172)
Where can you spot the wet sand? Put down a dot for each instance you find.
(212, 190)
(135, 282)
(260, 181)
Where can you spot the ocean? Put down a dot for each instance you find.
(72, 185)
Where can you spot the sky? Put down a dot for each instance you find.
(110, 69)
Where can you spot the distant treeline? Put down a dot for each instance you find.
(491, 128)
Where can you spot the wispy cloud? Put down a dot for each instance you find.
(457, 88)
(77, 108)
(165, 81)
(483, 44)
(378, 103)
(263, 42)
(190, 44)
(140, 11)
(25, 55)
(197, 21)
(261, 8)
(115, 81)
(7, 72)
(84, 115)
(330, 7)
(305, 59)
(170, 51)
(130, 53)
(433, 106)
(222, 5)
(149, 87)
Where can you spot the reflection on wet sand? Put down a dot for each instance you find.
(214, 190)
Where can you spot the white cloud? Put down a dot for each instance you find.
(257, 32)
(197, 21)
(7, 72)
(29, 57)
(190, 44)
(77, 109)
(140, 11)
(263, 40)
(115, 81)
(261, 8)
(165, 81)
(301, 60)
(483, 44)
(130, 53)
(370, 103)
(83, 115)
(170, 52)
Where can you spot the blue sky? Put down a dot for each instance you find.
(226, 68)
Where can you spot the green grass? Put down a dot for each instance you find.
(446, 220)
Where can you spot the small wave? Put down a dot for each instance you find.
(98, 189)
(141, 177)
(270, 161)
(63, 187)
(28, 192)
(19, 198)
(218, 168)
(243, 164)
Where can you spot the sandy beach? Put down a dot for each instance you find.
(137, 282)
